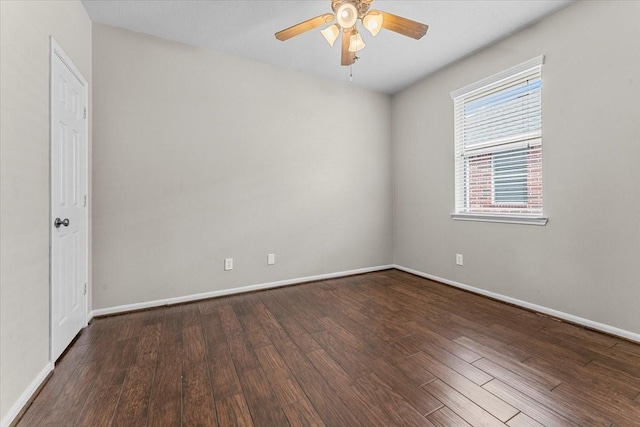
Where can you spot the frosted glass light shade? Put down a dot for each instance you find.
(331, 33)
(355, 42)
(373, 22)
(347, 15)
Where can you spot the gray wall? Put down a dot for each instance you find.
(25, 27)
(586, 261)
(200, 156)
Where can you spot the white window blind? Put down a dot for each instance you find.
(498, 145)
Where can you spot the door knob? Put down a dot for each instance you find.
(58, 222)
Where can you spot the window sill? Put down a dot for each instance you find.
(501, 218)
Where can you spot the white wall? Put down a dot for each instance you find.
(25, 27)
(586, 261)
(200, 156)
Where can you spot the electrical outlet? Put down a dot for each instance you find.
(271, 259)
(459, 259)
(228, 264)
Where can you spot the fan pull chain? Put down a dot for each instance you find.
(351, 73)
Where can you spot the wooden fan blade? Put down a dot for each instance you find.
(348, 58)
(403, 26)
(305, 26)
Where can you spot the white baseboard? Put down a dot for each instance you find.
(26, 396)
(223, 292)
(632, 336)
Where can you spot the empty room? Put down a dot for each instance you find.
(319, 213)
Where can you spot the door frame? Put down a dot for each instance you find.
(56, 50)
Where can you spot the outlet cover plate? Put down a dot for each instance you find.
(228, 264)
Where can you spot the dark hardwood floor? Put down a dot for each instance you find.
(380, 349)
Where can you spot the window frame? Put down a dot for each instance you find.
(462, 190)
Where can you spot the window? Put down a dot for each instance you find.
(498, 147)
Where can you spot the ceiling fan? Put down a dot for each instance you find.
(347, 13)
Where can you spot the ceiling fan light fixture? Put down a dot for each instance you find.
(344, 19)
(331, 33)
(356, 43)
(347, 15)
(373, 22)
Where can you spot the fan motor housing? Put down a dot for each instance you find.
(362, 6)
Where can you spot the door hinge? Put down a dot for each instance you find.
(85, 112)
(85, 289)
(85, 200)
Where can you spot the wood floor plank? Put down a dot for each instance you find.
(329, 369)
(171, 333)
(64, 371)
(283, 384)
(490, 403)
(368, 412)
(522, 420)
(352, 397)
(445, 417)
(99, 407)
(379, 349)
(618, 411)
(551, 352)
(399, 410)
(233, 412)
(568, 331)
(286, 389)
(458, 403)
(165, 403)
(133, 405)
(305, 312)
(264, 407)
(568, 408)
(627, 346)
(222, 370)
(303, 414)
(299, 335)
(211, 332)
(467, 369)
(36, 413)
(190, 315)
(193, 345)
(426, 335)
(586, 377)
(528, 405)
(223, 373)
(413, 393)
(329, 406)
(346, 338)
(131, 328)
(198, 406)
(489, 348)
(73, 396)
(516, 374)
(255, 334)
(241, 351)
(272, 304)
(354, 364)
(534, 377)
(208, 306)
(293, 357)
(271, 361)
(120, 354)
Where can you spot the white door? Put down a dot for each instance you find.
(68, 201)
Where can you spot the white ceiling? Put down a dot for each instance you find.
(389, 63)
